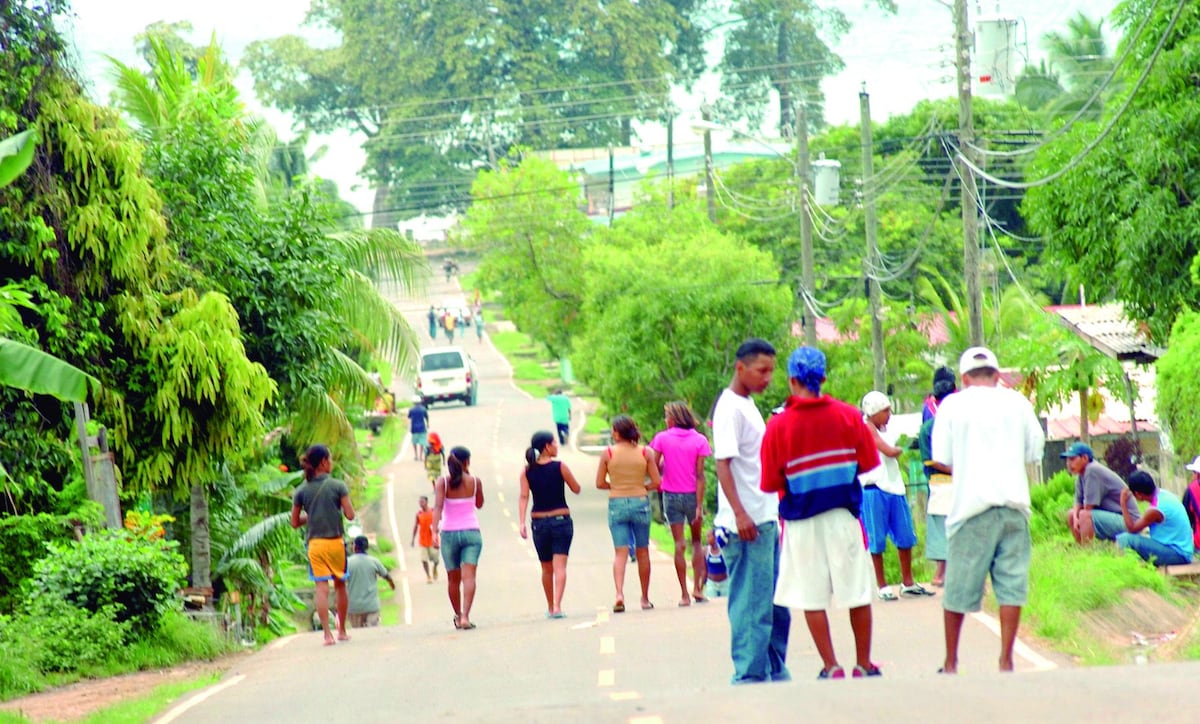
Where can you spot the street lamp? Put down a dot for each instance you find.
(801, 166)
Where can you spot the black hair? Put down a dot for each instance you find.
(942, 388)
(942, 373)
(360, 544)
(312, 459)
(1141, 482)
(754, 347)
(624, 426)
(457, 462)
(537, 444)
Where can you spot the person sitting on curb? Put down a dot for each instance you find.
(885, 510)
(1170, 539)
(1097, 513)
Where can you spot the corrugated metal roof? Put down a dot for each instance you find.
(1105, 327)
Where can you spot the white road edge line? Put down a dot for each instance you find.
(178, 711)
(406, 593)
(1039, 662)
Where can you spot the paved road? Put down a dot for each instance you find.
(670, 664)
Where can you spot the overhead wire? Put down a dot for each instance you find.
(1091, 146)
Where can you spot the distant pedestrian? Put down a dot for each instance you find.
(418, 427)
(423, 532)
(941, 488)
(681, 451)
(361, 590)
(813, 453)
(560, 410)
(433, 322)
(749, 518)
(319, 503)
(986, 435)
(623, 470)
(458, 495)
(435, 457)
(479, 326)
(885, 510)
(546, 480)
(1169, 542)
(448, 323)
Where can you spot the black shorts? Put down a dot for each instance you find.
(552, 536)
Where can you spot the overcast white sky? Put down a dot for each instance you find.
(901, 58)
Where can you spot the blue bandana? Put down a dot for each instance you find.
(807, 364)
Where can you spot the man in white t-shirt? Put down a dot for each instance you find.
(758, 628)
(885, 511)
(986, 434)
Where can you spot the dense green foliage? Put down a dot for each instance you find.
(138, 578)
(1127, 205)
(1178, 393)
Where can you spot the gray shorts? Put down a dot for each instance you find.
(679, 508)
(996, 541)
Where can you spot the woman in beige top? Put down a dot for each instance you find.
(623, 470)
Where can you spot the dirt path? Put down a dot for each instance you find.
(81, 699)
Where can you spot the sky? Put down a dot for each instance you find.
(902, 58)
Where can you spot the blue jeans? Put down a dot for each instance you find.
(1148, 548)
(758, 628)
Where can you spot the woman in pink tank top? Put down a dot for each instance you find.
(458, 496)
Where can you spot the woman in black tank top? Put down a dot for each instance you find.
(546, 479)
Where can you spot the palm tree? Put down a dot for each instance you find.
(1073, 78)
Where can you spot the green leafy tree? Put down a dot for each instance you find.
(1125, 204)
(459, 86)
(666, 303)
(526, 225)
(780, 47)
(1177, 372)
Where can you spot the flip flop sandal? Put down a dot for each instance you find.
(456, 623)
(619, 607)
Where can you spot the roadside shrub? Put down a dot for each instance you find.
(1050, 503)
(19, 673)
(23, 541)
(139, 577)
(176, 639)
(67, 638)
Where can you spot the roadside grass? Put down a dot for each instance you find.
(12, 717)
(145, 708)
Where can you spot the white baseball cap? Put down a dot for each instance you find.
(1194, 466)
(977, 358)
(874, 401)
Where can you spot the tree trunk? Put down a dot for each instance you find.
(201, 540)
(1083, 417)
(381, 215)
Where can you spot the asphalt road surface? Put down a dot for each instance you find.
(669, 664)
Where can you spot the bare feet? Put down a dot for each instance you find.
(699, 597)
(343, 636)
(329, 640)
(685, 601)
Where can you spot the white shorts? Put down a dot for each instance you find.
(824, 556)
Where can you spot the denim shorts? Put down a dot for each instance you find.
(995, 541)
(552, 536)
(629, 516)
(679, 508)
(887, 514)
(461, 546)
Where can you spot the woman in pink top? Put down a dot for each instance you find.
(458, 496)
(681, 451)
(623, 472)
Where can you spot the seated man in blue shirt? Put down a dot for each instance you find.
(1170, 539)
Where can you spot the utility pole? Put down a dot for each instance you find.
(709, 190)
(870, 222)
(670, 161)
(807, 282)
(963, 40)
(612, 186)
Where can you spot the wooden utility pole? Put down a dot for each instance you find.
(963, 40)
(873, 294)
(709, 191)
(670, 161)
(807, 277)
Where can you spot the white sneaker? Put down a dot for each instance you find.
(887, 594)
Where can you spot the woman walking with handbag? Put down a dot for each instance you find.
(547, 479)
